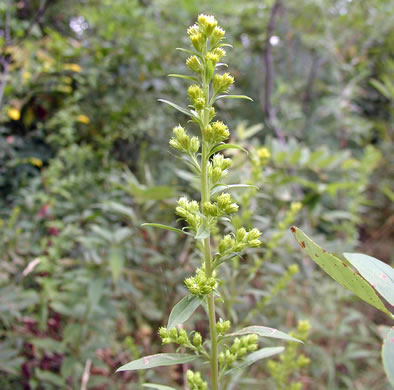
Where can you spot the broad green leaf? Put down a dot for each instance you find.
(380, 275)
(234, 97)
(388, 355)
(165, 227)
(220, 147)
(183, 310)
(255, 356)
(202, 232)
(263, 331)
(339, 271)
(182, 76)
(179, 108)
(230, 187)
(158, 387)
(158, 360)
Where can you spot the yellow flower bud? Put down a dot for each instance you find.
(194, 64)
(14, 114)
(83, 119)
(207, 24)
(217, 36)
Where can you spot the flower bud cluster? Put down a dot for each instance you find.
(239, 349)
(205, 28)
(200, 284)
(222, 82)
(215, 132)
(215, 55)
(217, 168)
(291, 214)
(195, 381)
(194, 64)
(180, 337)
(291, 360)
(239, 241)
(190, 212)
(224, 205)
(222, 327)
(181, 141)
(196, 96)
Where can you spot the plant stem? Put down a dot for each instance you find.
(207, 255)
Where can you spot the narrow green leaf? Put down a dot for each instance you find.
(380, 275)
(234, 97)
(388, 355)
(179, 108)
(220, 147)
(255, 356)
(158, 387)
(224, 45)
(230, 187)
(264, 331)
(182, 76)
(158, 360)
(339, 271)
(160, 226)
(188, 51)
(183, 310)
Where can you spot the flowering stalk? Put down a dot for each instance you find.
(203, 155)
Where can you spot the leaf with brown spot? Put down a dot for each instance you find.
(344, 275)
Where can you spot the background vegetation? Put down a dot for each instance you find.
(84, 161)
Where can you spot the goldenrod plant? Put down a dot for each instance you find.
(290, 361)
(225, 351)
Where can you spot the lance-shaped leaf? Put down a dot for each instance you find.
(179, 108)
(182, 76)
(202, 232)
(388, 355)
(158, 360)
(380, 275)
(220, 147)
(339, 271)
(234, 97)
(183, 310)
(224, 187)
(263, 331)
(157, 387)
(255, 356)
(165, 227)
(188, 51)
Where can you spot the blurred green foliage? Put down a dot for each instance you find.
(84, 161)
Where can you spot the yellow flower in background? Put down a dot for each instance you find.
(14, 114)
(83, 119)
(264, 153)
(36, 162)
(74, 67)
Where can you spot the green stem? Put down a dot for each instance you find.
(205, 197)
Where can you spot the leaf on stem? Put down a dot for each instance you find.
(202, 232)
(158, 360)
(263, 331)
(220, 147)
(255, 356)
(157, 387)
(165, 227)
(234, 97)
(339, 271)
(179, 108)
(183, 310)
(224, 187)
(380, 275)
(182, 76)
(189, 51)
(388, 355)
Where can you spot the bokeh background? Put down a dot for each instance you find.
(84, 161)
